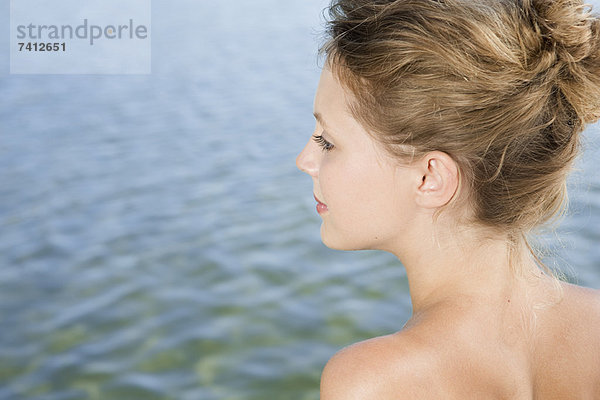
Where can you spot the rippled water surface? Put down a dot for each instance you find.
(156, 239)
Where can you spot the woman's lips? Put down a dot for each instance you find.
(321, 208)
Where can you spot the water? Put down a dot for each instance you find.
(157, 240)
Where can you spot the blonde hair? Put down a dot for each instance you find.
(502, 86)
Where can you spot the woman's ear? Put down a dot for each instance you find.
(439, 180)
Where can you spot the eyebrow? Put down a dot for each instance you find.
(320, 119)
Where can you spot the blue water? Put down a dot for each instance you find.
(157, 240)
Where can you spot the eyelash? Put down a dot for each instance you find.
(325, 145)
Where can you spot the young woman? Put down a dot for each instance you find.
(445, 132)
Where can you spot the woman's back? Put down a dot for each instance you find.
(474, 350)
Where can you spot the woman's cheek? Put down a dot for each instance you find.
(331, 182)
(343, 185)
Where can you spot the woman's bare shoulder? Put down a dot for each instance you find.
(568, 345)
(583, 299)
(431, 358)
(440, 356)
(395, 366)
(582, 309)
(584, 293)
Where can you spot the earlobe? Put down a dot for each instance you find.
(439, 180)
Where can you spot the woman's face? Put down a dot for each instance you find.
(366, 195)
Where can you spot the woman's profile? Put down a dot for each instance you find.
(445, 133)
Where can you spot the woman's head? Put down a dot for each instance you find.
(367, 200)
(504, 87)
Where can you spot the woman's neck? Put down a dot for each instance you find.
(454, 266)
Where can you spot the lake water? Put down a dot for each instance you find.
(157, 240)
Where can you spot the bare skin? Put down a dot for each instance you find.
(478, 351)
(479, 329)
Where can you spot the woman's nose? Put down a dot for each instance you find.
(307, 160)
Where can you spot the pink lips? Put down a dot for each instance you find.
(321, 208)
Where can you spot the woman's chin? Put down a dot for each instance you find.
(331, 240)
(347, 242)
(339, 242)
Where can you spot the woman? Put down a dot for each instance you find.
(445, 132)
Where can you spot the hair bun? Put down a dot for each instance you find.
(569, 28)
(568, 24)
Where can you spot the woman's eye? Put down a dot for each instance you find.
(320, 140)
